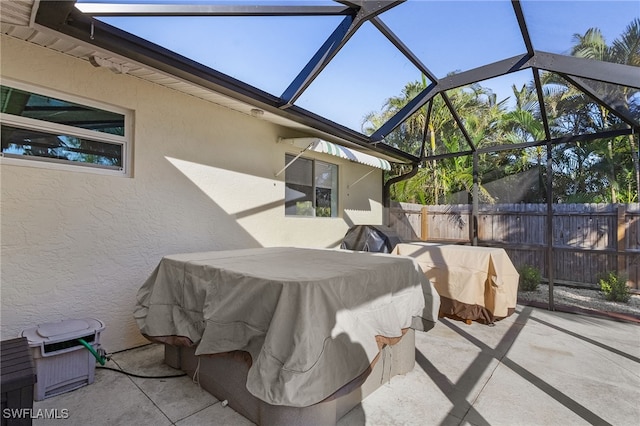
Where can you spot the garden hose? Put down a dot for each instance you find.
(99, 358)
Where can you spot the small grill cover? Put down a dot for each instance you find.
(373, 238)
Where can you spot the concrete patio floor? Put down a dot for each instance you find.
(534, 368)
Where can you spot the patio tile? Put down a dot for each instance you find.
(215, 415)
(535, 399)
(582, 363)
(145, 360)
(596, 357)
(510, 400)
(593, 331)
(535, 367)
(112, 399)
(177, 397)
(408, 400)
(457, 363)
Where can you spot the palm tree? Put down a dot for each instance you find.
(569, 111)
(623, 50)
(434, 181)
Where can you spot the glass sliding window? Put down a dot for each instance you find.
(50, 129)
(311, 188)
(326, 179)
(66, 148)
(299, 187)
(46, 108)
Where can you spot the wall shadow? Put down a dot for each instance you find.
(458, 392)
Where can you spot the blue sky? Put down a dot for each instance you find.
(446, 35)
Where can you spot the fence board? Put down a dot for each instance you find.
(585, 236)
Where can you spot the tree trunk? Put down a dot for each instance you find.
(612, 171)
(636, 166)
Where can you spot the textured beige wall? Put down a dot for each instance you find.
(79, 244)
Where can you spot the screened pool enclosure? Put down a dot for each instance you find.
(540, 98)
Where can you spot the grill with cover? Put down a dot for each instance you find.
(372, 238)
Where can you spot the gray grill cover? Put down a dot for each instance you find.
(373, 238)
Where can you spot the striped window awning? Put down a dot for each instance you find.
(322, 146)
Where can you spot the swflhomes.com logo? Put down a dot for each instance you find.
(30, 413)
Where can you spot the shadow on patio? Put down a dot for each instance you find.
(533, 368)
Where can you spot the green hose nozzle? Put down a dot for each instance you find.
(95, 354)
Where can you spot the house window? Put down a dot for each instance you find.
(311, 188)
(52, 130)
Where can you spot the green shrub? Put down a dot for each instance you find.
(615, 288)
(529, 278)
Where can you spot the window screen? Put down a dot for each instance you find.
(311, 188)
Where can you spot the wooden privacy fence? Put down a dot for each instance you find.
(589, 240)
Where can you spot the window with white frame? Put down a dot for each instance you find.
(52, 130)
(311, 187)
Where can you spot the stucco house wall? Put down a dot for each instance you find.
(81, 244)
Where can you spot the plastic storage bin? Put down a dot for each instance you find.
(62, 362)
(17, 380)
